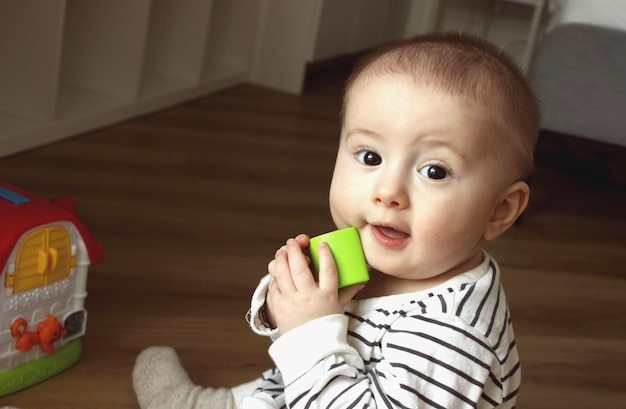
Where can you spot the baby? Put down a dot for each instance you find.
(437, 139)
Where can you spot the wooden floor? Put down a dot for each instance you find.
(191, 202)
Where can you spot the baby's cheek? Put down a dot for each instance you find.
(336, 203)
(338, 217)
(448, 231)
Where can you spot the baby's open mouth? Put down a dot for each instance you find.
(390, 237)
(391, 232)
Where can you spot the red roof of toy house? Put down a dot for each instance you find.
(21, 211)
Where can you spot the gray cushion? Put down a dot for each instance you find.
(579, 74)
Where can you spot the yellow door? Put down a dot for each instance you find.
(43, 257)
(59, 254)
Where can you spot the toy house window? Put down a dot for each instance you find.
(43, 257)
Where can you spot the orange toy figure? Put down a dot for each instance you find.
(47, 332)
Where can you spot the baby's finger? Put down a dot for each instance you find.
(328, 276)
(282, 273)
(299, 265)
(302, 240)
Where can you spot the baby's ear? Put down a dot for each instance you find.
(511, 204)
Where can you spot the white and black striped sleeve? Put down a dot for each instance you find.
(426, 363)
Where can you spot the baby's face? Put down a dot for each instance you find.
(417, 173)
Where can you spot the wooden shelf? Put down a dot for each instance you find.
(30, 49)
(75, 66)
(71, 66)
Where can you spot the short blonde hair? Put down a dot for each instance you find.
(470, 67)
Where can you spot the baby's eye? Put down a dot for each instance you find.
(434, 172)
(369, 158)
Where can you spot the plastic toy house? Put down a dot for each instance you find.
(45, 252)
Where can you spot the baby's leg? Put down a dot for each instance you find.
(160, 382)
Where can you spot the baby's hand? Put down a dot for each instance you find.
(294, 297)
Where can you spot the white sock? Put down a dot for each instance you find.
(161, 382)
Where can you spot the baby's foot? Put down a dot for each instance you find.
(160, 382)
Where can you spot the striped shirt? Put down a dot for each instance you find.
(451, 346)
